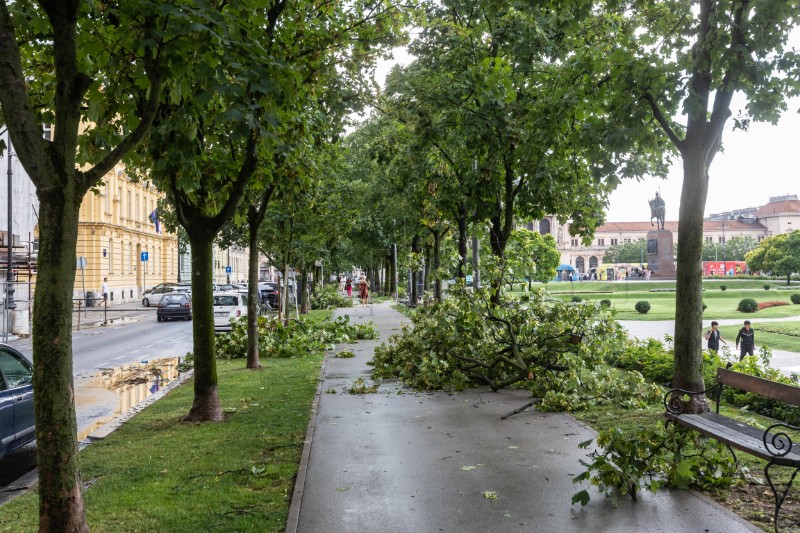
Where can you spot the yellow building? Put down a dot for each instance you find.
(114, 230)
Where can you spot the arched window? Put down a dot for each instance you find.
(593, 262)
(579, 264)
(544, 226)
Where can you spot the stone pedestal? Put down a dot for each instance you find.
(660, 260)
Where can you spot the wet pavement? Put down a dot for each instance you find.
(399, 460)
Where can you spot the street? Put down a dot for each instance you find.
(139, 338)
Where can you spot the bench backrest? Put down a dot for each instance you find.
(763, 387)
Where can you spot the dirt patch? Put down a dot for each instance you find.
(756, 504)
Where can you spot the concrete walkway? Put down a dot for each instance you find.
(403, 461)
(786, 362)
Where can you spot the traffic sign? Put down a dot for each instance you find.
(81, 262)
(145, 256)
(228, 270)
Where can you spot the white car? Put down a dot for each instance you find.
(227, 306)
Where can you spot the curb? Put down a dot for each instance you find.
(293, 518)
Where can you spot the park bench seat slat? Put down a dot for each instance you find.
(763, 387)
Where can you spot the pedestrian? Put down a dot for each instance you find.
(340, 283)
(363, 290)
(746, 339)
(713, 336)
(104, 290)
(348, 286)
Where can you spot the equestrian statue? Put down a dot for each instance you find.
(657, 211)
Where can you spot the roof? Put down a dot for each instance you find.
(672, 225)
(779, 208)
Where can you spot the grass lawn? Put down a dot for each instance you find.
(661, 297)
(157, 473)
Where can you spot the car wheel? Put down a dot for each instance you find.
(145, 302)
(158, 319)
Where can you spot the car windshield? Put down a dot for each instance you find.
(174, 299)
(15, 371)
(226, 299)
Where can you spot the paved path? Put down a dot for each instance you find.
(402, 461)
(787, 362)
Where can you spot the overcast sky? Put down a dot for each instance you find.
(755, 165)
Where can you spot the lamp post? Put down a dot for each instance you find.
(10, 303)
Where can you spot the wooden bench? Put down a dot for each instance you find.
(773, 445)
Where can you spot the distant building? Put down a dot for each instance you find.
(780, 215)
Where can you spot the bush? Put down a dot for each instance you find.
(607, 303)
(795, 298)
(723, 287)
(577, 299)
(747, 305)
(642, 307)
(704, 306)
(766, 286)
(329, 297)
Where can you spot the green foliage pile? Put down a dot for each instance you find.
(329, 297)
(747, 305)
(295, 338)
(605, 303)
(534, 343)
(642, 307)
(766, 287)
(656, 362)
(723, 288)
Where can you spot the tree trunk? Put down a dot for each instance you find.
(414, 296)
(61, 505)
(206, 406)
(253, 295)
(689, 290)
(426, 280)
(302, 294)
(393, 273)
(498, 238)
(463, 239)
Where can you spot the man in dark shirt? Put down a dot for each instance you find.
(713, 337)
(745, 338)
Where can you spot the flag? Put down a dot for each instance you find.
(154, 220)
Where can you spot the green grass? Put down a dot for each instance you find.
(721, 304)
(157, 473)
(776, 335)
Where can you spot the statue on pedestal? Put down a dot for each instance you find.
(657, 211)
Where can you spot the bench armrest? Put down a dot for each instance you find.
(676, 405)
(779, 443)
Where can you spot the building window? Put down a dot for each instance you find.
(544, 226)
(722, 240)
(574, 243)
(626, 241)
(137, 213)
(709, 240)
(108, 198)
(579, 264)
(613, 242)
(593, 262)
(130, 204)
(601, 242)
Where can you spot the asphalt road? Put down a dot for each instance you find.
(137, 338)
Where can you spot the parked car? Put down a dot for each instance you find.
(177, 305)
(268, 291)
(17, 426)
(227, 306)
(154, 294)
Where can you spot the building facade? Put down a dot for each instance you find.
(780, 215)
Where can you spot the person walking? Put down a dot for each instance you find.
(348, 286)
(104, 290)
(713, 336)
(746, 339)
(363, 290)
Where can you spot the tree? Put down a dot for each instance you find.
(530, 255)
(94, 72)
(779, 254)
(690, 58)
(628, 252)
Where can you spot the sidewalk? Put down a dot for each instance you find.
(406, 461)
(116, 313)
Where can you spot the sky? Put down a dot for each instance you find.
(753, 166)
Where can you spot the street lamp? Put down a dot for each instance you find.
(10, 303)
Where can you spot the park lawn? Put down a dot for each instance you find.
(776, 335)
(157, 473)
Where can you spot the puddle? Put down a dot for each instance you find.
(123, 388)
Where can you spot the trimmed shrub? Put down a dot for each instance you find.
(607, 303)
(642, 307)
(766, 286)
(747, 305)
(723, 287)
(795, 298)
(577, 299)
(704, 306)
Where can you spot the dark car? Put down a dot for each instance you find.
(268, 292)
(17, 426)
(177, 305)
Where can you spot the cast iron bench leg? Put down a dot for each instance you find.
(779, 498)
